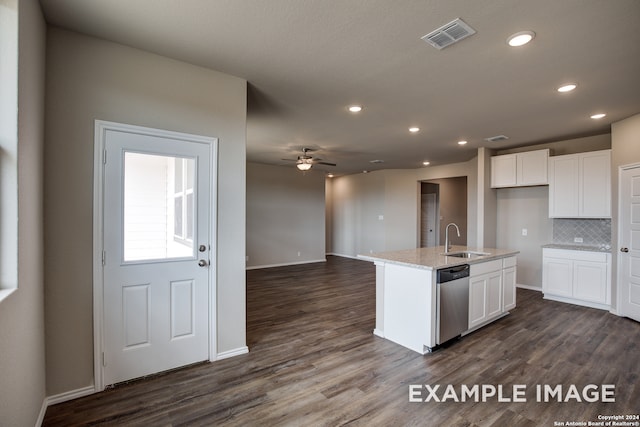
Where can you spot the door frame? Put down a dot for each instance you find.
(615, 250)
(101, 127)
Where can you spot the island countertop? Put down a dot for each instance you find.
(434, 258)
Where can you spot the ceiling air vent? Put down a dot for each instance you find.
(497, 138)
(449, 34)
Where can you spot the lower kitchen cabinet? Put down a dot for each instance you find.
(492, 290)
(485, 292)
(577, 277)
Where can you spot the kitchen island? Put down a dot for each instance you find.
(406, 291)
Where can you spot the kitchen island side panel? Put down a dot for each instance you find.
(410, 307)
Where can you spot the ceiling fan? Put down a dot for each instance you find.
(305, 161)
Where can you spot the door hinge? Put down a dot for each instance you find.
(104, 157)
(104, 258)
(104, 360)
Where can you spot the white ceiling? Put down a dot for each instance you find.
(307, 60)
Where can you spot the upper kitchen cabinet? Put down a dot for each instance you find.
(520, 169)
(580, 185)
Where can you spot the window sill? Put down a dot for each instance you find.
(4, 293)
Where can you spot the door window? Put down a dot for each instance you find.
(159, 201)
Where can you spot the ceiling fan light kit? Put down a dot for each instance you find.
(306, 162)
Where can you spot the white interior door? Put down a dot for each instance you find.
(156, 238)
(629, 238)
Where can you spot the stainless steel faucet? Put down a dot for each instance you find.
(447, 244)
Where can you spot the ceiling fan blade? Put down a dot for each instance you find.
(325, 163)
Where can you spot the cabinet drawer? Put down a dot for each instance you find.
(509, 262)
(575, 255)
(485, 267)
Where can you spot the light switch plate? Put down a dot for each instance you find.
(525, 231)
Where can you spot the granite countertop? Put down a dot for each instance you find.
(587, 248)
(434, 258)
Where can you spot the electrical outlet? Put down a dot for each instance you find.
(380, 217)
(298, 253)
(577, 240)
(525, 231)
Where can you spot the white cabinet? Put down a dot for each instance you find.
(509, 283)
(520, 169)
(503, 171)
(577, 277)
(557, 276)
(492, 290)
(485, 292)
(580, 185)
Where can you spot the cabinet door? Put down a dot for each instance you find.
(494, 294)
(564, 187)
(477, 300)
(590, 281)
(509, 288)
(532, 167)
(503, 171)
(557, 277)
(595, 184)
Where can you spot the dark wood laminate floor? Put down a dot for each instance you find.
(314, 361)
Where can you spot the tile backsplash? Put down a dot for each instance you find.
(594, 232)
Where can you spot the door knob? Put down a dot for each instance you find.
(624, 249)
(203, 263)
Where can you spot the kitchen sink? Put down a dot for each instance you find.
(466, 254)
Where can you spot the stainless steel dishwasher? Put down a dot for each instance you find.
(452, 287)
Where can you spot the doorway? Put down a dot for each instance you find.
(153, 286)
(442, 201)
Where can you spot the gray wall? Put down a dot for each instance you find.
(359, 201)
(285, 215)
(525, 207)
(625, 150)
(89, 79)
(453, 207)
(22, 343)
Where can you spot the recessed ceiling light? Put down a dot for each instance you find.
(330, 175)
(462, 142)
(355, 108)
(598, 116)
(414, 129)
(521, 38)
(567, 88)
(426, 163)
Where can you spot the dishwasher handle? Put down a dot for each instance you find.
(453, 273)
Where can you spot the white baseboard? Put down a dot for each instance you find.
(378, 333)
(531, 288)
(345, 256)
(232, 353)
(43, 411)
(70, 395)
(285, 264)
(60, 398)
(577, 302)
